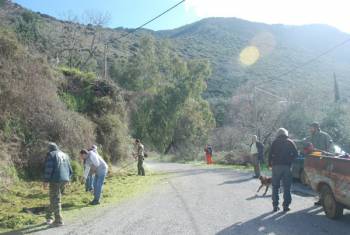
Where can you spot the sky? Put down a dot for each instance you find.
(133, 13)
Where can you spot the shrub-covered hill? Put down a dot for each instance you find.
(76, 84)
(163, 86)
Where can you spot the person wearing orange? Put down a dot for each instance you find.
(209, 154)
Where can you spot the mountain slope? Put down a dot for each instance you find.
(221, 40)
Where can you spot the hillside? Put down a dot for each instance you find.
(281, 47)
(164, 86)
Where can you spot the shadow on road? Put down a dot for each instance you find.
(29, 229)
(238, 181)
(289, 223)
(257, 196)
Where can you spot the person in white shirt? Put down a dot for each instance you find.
(95, 163)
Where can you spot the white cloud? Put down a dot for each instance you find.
(297, 12)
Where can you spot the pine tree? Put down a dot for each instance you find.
(336, 89)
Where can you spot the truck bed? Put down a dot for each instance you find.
(332, 171)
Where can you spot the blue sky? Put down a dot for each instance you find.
(132, 13)
(125, 13)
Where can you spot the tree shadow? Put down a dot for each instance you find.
(307, 221)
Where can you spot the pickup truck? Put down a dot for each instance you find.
(330, 177)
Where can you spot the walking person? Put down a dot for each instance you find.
(98, 166)
(257, 154)
(209, 154)
(282, 153)
(139, 154)
(58, 172)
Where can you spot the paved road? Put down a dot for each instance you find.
(207, 201)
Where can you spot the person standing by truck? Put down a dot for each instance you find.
(320, 141)
(282, 153)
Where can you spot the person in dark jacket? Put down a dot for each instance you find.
(282, 153)
(58, 172)
(257, 154)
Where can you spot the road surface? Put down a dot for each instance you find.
(213, 200)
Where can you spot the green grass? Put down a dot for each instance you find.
(119, 186)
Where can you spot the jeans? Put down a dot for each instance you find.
(281, 173)
(98, 183)
(89, 183)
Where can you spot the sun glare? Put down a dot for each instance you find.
(249, 55)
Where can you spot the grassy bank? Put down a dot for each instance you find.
(23, 204)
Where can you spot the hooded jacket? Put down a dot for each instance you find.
(57, 165)
(283, 151)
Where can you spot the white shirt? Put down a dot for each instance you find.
(253, 149)
(95, 160)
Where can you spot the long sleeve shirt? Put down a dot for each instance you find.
(95, 161)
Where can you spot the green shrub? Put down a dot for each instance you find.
(78, 170)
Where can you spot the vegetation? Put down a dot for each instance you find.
(76, 83)
(23, 204)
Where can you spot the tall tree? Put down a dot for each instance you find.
(336, 89)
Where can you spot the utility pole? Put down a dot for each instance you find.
(255, 112)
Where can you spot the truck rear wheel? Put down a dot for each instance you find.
(331, 207)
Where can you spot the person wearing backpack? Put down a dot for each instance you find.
(139, 155)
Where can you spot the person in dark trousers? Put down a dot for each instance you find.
(257, 154)
(58, 172)
(282, 153)
(139, 154)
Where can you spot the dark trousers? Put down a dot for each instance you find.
(256, 163)
(284, 174)
(140, 169)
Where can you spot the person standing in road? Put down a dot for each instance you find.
(139, 154)
(209, 154)
(95, 163)
(58, 172)
(320, 139)
(282, 153)
(257, 155)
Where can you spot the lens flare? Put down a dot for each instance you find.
(249, 55)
